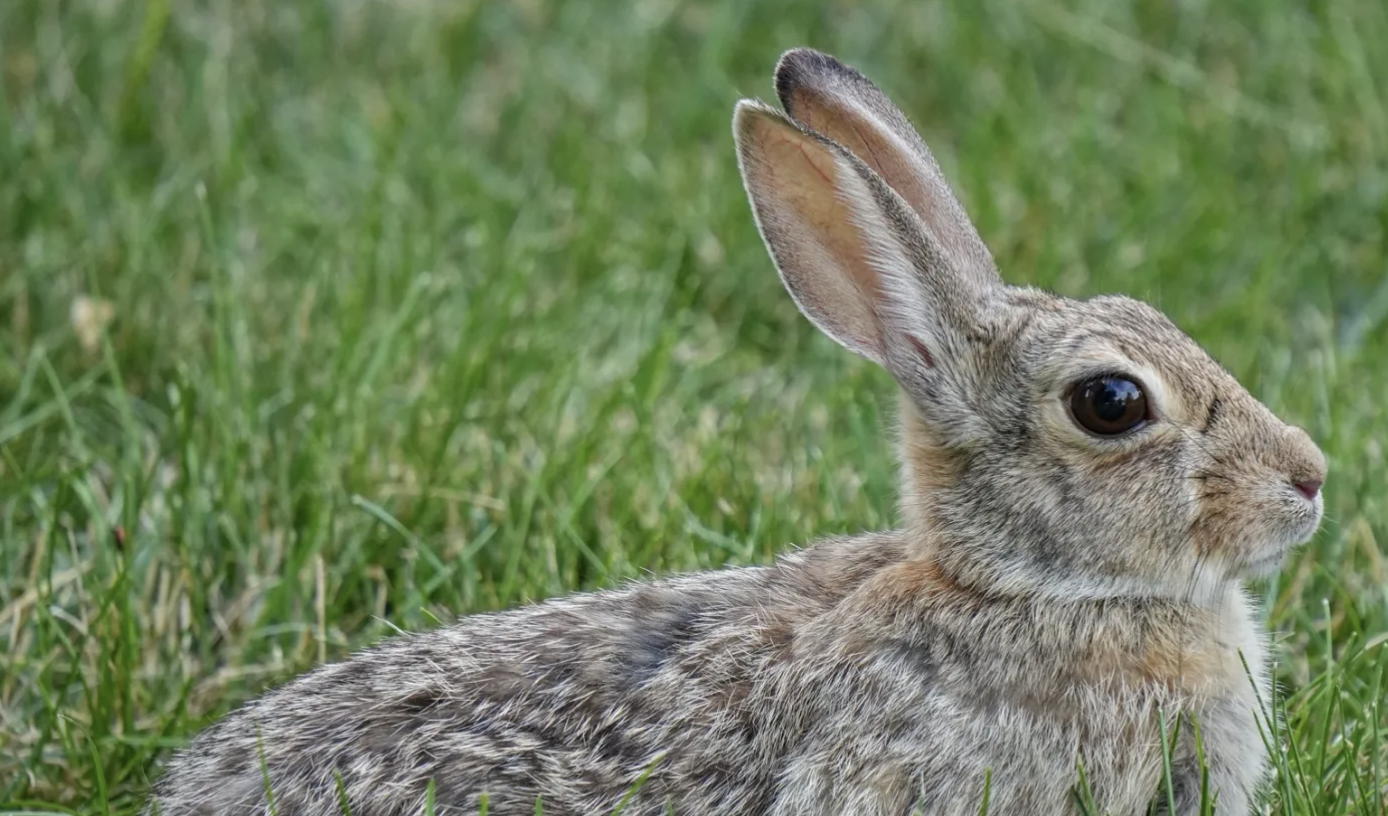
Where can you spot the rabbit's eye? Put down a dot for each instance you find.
(1109, 406)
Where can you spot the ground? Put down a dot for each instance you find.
(322, 319)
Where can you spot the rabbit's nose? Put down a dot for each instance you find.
(1305, 464)
(1309, 488)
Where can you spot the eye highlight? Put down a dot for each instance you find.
(1111, 405)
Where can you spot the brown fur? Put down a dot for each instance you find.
(1050, 597)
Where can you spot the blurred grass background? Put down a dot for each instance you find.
(322, 318)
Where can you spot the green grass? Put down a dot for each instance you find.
(425, 307)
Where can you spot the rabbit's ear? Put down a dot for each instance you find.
(855, 257)
(831, 98)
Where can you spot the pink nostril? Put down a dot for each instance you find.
(1309, 489)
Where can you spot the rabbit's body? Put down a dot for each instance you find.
(1083, 492)
(846, 678)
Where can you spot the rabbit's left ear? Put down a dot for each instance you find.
(828, 97)
(857, 259)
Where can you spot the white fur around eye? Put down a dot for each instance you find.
(1160, 399)
(1057, 410)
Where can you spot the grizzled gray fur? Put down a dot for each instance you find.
(1083, 492)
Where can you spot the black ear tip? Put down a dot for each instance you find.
(801, 67)
(798, 65)
(804, 55)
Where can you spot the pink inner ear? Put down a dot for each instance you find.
(921, 350)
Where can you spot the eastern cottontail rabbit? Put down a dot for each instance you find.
(1083, 491)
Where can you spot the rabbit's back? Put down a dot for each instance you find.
(574, 698)
(846, 678)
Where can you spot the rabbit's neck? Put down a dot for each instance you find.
(987, 575)
(1132, 641)
(927, 472)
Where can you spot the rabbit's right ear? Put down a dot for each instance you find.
(857, 259)
(826, 96)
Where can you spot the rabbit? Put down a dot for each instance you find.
(1084, 491)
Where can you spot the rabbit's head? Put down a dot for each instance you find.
(1075, 448)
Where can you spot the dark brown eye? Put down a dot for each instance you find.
(1109, 406)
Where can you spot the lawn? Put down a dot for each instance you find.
(323, 319)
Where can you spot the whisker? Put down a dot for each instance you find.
(1203, 475)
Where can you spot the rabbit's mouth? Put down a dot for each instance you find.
(1307, 514)
(1270, 557)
